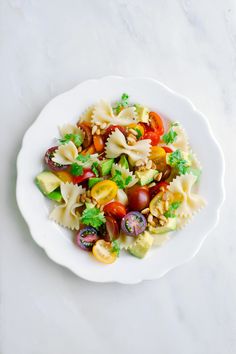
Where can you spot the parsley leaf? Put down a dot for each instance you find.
(76, 170)
(170, 136)
(139, 133)
(93, 216)
(122, 103)
(116, 247)
(83, 158)
(176, 160)
(120, 180)
(170, 213)
(94, 168)
(76, 138)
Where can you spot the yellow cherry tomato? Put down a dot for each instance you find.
(137, 126)
(64, 176)
(102, 251)
(104, 191)
(156, 205)
(158, 156)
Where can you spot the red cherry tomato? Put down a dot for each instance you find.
(88, 138)
(112, 229)
(115, 209)
(156, 123)
(167, 149)
(111, 129)
(153, 136)
(88, 173)
(156, 189)
(138, 198)
(98, 143)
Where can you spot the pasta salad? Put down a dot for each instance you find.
(122, 178)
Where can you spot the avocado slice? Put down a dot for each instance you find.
(124, 162)
(171, 225)
(94, 180)
(143, 113)
(47, 182)
(141, 245)
(146, 177)
(106, 166)
(55, 195)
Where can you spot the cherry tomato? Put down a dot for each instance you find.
(87, 173)
(102, 251)
(51, 164)
(158, 155)
(156, 123)
(137, 127)
(103, 192)
(115, 209)
(153, 136)
(89, 151)
(86, 238)
(156, 189)
(133, 223)
(88, 138)
(64, 176)
(166, 173)
(98, 143)
(112, 229)
(111, 129)
(167, 149)
(138, 198)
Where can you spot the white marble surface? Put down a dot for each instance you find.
(46, 48)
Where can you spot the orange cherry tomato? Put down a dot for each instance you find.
(102, 251)
(64, 176)
(98, 143)
(158, 156)
(156, 123)
(103, 192)
(89, 151)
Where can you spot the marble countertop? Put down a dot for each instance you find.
(47, 47)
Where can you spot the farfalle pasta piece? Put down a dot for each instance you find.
(103, 113)
(181, 190)
(65, 154)
(125, 241)
(87, 115)
(117, 145)
(66, 214)
(124, 173)
(71, 129)
(181, 142)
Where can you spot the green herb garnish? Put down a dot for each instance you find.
(94, 168)
(176, 160)
(122, 182)
(93, 216)
(171, 135)
(76, 138)
(76, 170)
(170, 213)
(116, 247)
(83, 158)
(122, 103)
(139, 133)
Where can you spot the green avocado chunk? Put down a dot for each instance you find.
(94, 180)
(123, 162)
(141, 245)
(171, 225)
(146, 177)
(106, 166)
(55, 195)
(47, 182)
(143, 113)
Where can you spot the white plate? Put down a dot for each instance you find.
(56, 241)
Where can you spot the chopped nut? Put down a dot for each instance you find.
(79, 148)
(149, 165)
(101, 207)
(145, 211)
(150, 218)
(162, 217)
(98, 131)
(131, 141)
(103, 125)
(151, 185)
(158, 177)
(161, 222)
(94, 129)
(134, 132)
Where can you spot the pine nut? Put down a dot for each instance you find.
(158, 177)
(139, 163)
(150, 218)
(103, 125)
(151, 185)
(134, 132)
(94, 129)
(98, 131)
(149, 165)
(145, 211)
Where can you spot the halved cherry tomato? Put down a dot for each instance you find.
(51, 164)
(157, 152)
(98, 143)
(138, 127)
(156, 189)
(87, 173)
(89, 151)
(112, 229)
(156, 123)
(115, 209)
(133, 223)
(167, 149)
(153, 136)
(102, 251)
(87, 134)
(111, 129)
(103, 192)
(64, 176)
